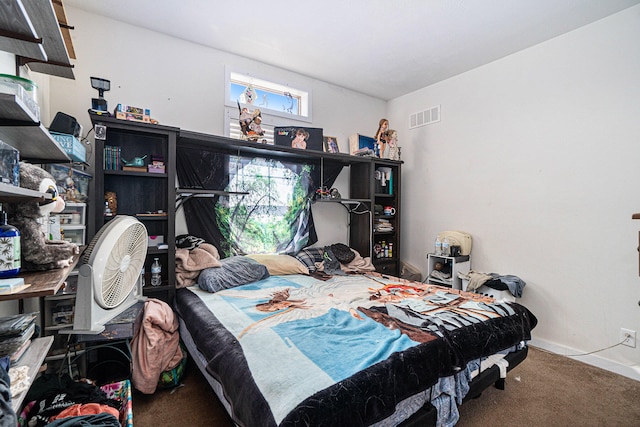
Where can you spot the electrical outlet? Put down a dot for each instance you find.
(628, 337)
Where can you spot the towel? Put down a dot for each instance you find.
(155, 346)
(189, 263)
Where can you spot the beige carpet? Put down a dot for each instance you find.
(545, 390)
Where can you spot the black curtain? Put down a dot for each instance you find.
(201, 168)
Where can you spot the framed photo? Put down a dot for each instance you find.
(298, 137)
(330, 144)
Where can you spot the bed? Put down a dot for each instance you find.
(348, 349)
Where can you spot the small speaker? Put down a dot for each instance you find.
(64, 123)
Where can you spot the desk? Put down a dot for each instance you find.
(119, 330)
(43, 283)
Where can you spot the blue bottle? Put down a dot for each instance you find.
(9, 248)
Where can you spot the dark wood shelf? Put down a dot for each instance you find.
(139, 192)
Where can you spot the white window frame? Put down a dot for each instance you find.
(302, 93)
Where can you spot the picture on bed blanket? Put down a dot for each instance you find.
(298, 137)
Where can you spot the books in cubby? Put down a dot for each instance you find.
(111, 160)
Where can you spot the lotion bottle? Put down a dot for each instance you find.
(9, 248)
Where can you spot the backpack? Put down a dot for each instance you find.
(458, 238)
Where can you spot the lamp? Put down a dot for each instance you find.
(99, 105)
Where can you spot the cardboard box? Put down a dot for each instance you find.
(156, 168)
(71, 145)
(136, 114)
(361, 145)
(156, 240)
(311, 138)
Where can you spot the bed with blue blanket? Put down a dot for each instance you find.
(347, 350)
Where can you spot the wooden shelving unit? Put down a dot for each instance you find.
(140, 194)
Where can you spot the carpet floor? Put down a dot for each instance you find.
(544, 390)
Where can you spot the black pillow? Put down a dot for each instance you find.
(343, 253)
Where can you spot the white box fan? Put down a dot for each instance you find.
(109, 276)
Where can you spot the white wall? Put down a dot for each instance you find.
(183, 85)
(536, 156)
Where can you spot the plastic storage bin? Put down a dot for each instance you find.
(23, 89)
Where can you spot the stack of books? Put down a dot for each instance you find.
(15, 335)
(112, 157)
(382, 225)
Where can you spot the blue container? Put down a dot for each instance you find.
(9, 248)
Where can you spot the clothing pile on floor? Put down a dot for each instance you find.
(58, 401)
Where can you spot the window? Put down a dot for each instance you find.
(279, 104)
(268, 219)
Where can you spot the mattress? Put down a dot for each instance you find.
(356, 350)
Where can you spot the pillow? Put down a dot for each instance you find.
(233, 271)
(309, 257)
(279, 265)
(343, 253)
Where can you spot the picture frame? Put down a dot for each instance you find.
(290, 137)
(330, 144)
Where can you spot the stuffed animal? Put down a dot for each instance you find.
(39, 253)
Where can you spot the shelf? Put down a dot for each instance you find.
(34, 143)
(33, 358)
(15, 111)
(17, 32)
(44, 19)
(191, 139)
(447, 283)
(134, 173)
(11, 193)
(20, 129)
(58, 327)
(43, 283)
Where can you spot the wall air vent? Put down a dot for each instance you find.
(425, 117)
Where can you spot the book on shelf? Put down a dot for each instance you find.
(134, 168)
(16, 324)
(17, 355)
(11, 344)
(111, 160)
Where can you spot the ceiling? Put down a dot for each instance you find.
(381, 48)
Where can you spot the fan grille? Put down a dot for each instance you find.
(119, 248)
(123, 265)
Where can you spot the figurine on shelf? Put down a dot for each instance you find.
(380, 137)
(111, 203)
(392, 142)
(250, 123)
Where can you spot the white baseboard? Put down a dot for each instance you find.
(632, 372)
